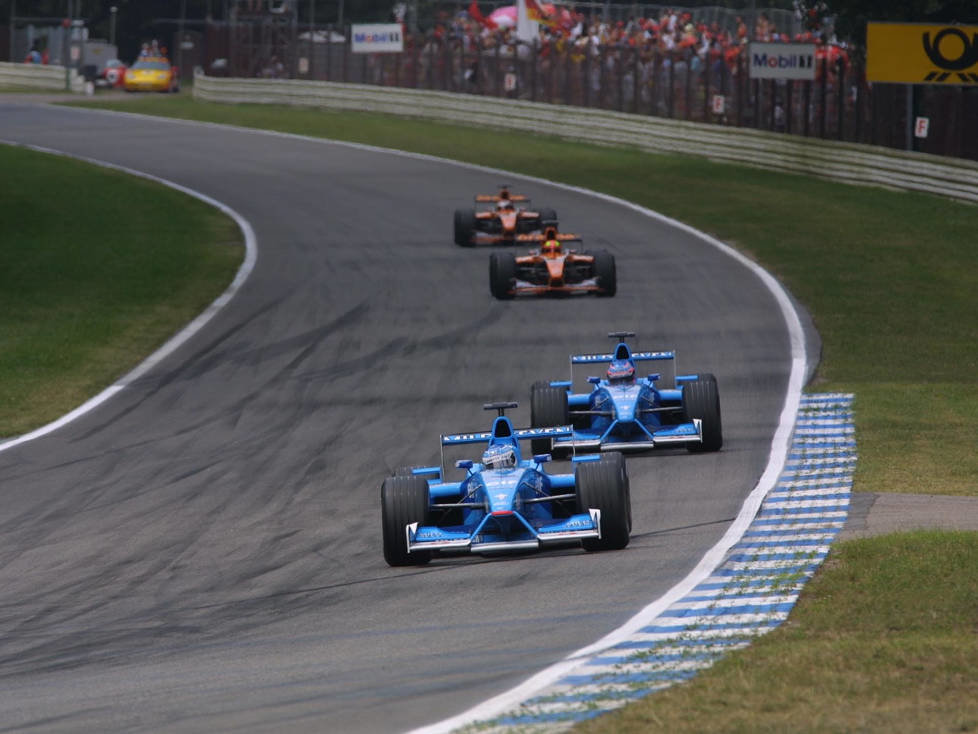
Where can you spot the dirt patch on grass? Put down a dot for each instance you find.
(879, 513)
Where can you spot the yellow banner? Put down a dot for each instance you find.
(917, 53)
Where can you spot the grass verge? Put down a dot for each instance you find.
(882, 640)
(96, 271)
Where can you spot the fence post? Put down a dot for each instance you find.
(740, 91)
(567, 75)
(808, 107)
(788, 106)
(687, 85)
(672, 84)
(534, 68)
(636, 87)
(587, 73)
(824, 95)
(755, 86)
(840, 114)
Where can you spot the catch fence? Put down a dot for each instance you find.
(712, 87)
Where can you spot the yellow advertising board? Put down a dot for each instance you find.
(919, 53)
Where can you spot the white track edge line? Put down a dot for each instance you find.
(182, 336)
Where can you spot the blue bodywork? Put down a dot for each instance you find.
(643, 414)
(516, 508)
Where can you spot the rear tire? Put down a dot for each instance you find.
(701, 399)
(603, 485)
(403, 500)
(502, 274)
(464, 227)
(605, 272)
(548, 408)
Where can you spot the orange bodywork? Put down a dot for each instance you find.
(555, 263)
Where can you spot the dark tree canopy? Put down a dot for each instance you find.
(852, 15)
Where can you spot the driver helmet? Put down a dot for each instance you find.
(621, 372)
(500, 458)
(504, 205)
(551, 248)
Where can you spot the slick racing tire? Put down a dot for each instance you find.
(548, 218)
(603, 485)
(618, 458)
(548, 408)
(403, 500)
(607, 275)
(701, 399)
(502, 274)
(464, 227)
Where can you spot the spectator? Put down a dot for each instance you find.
(34, 55)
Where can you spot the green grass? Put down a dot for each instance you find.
(882, 640)
(889, 277)
(96, 271)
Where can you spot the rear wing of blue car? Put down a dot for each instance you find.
(605, 358)
(666, 369)
(457, 439)
(453, 439)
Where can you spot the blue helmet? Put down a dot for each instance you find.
(499, 457)
(621, 371)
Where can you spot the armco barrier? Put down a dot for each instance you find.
(849, 162)
(38, 76)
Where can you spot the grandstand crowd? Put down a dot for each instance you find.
(672, 30)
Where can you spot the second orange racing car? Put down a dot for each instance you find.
(552, 270)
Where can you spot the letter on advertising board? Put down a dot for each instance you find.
(782, 61)
(373, 38)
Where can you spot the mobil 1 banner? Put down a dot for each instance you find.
(782, 61)
(373, 38)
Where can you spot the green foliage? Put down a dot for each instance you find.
(852, 15)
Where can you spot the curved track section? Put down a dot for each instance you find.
(203, 550)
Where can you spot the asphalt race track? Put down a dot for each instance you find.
(203, 551)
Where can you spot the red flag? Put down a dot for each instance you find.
(535, 12)
(477, 16)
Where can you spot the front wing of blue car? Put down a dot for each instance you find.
(504, 531)
(640, 437)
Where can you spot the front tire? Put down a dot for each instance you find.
(464, 227)
(403, 500)
(502, 274)
(548, 408)
(606, 273)
(701, 399)
(603, 485)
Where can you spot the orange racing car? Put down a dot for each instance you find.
(552, 270)
(500, 220)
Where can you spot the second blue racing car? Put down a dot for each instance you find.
(625, 412)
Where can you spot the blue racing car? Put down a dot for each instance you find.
(504, 503)
(624, 412)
